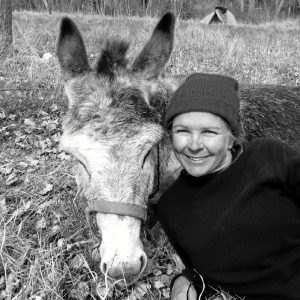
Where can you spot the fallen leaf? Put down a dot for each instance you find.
(166, 293)
(103, 291)
(169, 269)
(157, 272)
(43, 113)
(96, 254)
(61, 243)
(6, 169)
(56, 137)
(23, 165)
(63, 156)
(132, 296)
(33, 162)
(43, 206)
(12, 283)
(55, 229)
(44, 123)
(48, 188)
(165, 279)
(57, 216)
(29, 122)
(77, 262)
(178, 263)
(51, 126)
(2, 282)
(46, 56)
(54, 107)
(158, 284)
(12, 116)
(142, 288)
(22, 209)
(41, 223)
(81, 291)
(3, 295)
(12, 179)
(3, 208)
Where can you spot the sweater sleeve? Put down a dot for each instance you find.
(280, 159)
(171, 236)
(189, 272)
(292, 162)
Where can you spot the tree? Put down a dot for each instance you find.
(242, 5)
(48, 7)
(5, 27)
(278, 7)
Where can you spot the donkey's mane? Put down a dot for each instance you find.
(112, 57)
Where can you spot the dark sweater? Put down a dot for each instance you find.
(240, 229)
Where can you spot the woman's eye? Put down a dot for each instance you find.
(180, 131)
(210, 132)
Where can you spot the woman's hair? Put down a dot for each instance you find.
(238, 140)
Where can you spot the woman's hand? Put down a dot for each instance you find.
(183, 290)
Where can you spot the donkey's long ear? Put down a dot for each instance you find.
(71, 50)
(156, 52)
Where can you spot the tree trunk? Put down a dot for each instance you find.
(242, 5)
(266, 9)
(279, 4)
(251, 5)
(5, 28)
(32, 5)
(47, 6)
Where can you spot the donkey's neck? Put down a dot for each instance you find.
(169, 167)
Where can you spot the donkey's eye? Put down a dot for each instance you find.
(83, 166)
(145, 158)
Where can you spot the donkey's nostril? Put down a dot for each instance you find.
(103, 267)
(143, 261)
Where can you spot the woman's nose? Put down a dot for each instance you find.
(196, 142)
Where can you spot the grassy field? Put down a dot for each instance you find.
(46, 249)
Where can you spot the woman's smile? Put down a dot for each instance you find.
(197, 158)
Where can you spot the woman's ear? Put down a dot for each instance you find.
(230, 142)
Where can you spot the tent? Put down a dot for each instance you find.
(221, 15)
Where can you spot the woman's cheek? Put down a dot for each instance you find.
(179, 143)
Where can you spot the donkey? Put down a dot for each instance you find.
(114, 130)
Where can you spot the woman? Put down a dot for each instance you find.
(233, 215)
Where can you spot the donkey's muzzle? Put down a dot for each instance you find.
(126, 273)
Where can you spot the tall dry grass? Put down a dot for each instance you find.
(46, 248)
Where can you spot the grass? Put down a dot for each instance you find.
(46, 248)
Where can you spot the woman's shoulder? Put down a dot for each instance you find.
(172, 192)
(270, 150)
(267, 144)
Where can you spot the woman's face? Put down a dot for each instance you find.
(201, 142)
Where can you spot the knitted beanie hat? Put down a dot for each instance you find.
(213, 93)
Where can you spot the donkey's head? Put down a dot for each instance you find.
(111, 127)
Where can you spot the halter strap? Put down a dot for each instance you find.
(108, 207)
(152, 195)
(116, 208)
